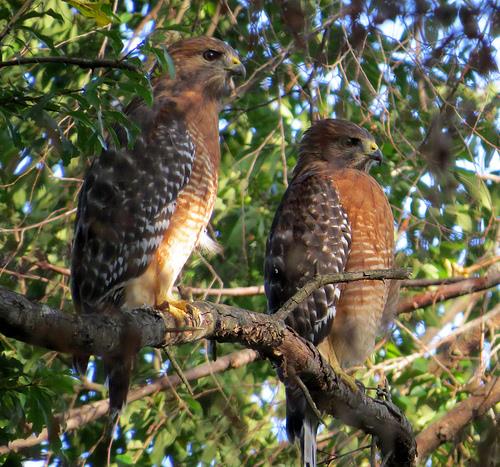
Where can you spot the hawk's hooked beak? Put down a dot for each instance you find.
(377, 157)
(373, 152)
(236, 68)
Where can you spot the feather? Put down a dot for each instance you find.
(308, 440)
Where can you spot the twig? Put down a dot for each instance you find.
(319, 281)
(52, 267)
(14, 19)
(229, 292)
(268, 67)
(214, 21)
(309, 399)
(417, 283)
(76, 418)
(179, 371)
(81, 62)
(182, 10)
(23, 276)
(494, 178)
(449, 291)
(38, 224)
(151, 16)
(398, 363)
(259, 289)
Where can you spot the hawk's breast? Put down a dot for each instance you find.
(192, 213)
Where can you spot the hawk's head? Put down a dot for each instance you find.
(341, 143)
(207, 63)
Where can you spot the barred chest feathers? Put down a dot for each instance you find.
(191, 215)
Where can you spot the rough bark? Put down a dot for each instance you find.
(445, 292)
(109, 334)
(448, 426)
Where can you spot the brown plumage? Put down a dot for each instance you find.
(360, 310)
(142, 211)
(334, 217)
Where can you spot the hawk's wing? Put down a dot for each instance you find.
(310, 235)
(125, 205)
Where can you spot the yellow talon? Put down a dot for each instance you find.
(349, 380)
(341, 373)
(177, 308)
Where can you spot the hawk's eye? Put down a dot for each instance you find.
(351, 142)
(211, 55)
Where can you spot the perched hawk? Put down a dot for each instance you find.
(334, 217)
(141, 211)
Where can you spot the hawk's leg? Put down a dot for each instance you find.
(178, 308)
(341, 373)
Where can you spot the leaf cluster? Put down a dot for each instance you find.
(419, 75)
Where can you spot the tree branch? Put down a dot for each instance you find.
(76, 418)
(259, 289)
(20, 318)
(81, 62)
(106, 335)
(319, 281)
(227, 292)
(24, 7)
(446, 292)
(448, 426)
(114, 334)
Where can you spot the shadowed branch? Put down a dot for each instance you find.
(449, 425)
(108, 334)
(81, 62)
(35, 323)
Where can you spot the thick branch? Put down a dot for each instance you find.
(448, 426)
(108, 334)
(81, 62)
(102, 334)
(105, 334)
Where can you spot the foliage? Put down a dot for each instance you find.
(419, 75)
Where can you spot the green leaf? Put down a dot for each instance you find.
(476, 187)
(54, 14)
(93, 9)
(125, 459)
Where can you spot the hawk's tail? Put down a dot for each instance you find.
(308, 439)
(301, 423)
(80, 363)
(118, 377)
(118, 372)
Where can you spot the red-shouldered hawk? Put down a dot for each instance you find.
(142, 211)
(334, 217)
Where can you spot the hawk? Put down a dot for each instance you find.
(142, 210)
(334, 217)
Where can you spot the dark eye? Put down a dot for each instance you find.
(351, 141)
(211, 55)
